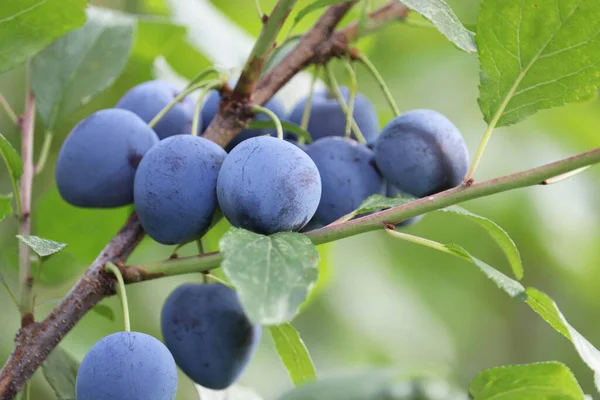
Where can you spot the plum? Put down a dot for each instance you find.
(328, 119)
(422, 153)
(268, 185)
(97, 161)
(149, 98)
(348, 175)
(127, 365)
(208, 333)
(175, 188)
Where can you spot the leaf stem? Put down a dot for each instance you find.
(10, 293)
(258, 9)
(562, 177)
(351, 99)
(308, 104)
(46, 145)
(481, 149)
(121, 292)
(270, 114)
(380, 81)
(420, 240)
(8, 109)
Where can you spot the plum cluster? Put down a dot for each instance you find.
(178, 181)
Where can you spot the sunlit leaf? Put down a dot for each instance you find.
(43, 247)
(293, 353)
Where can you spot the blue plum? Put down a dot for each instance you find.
(328, 119)
(127, 365)
(268, 185)
(392, 191)
(97, 161)
(209, 110)
(421, 153)
(208, 333)
(149, 98)
(175, 188)
(348, 175)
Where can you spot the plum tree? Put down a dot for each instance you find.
(208, 333)
(127, 365)
(97, 162)
(210, 108)
(175, 188)
(328, 119)
(149, 98)
(268, 185)
(421, 153)
(348, 175)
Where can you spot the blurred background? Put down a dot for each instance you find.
(380, 302)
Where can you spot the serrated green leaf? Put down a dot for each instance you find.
(441, 15)
(293, 353)
(513, 288)
(273, 274)
(551, 380)
(280, 53)
(43, 247)
(287, 127)
(11, 159)
(60, 370)
(5, 206)
(498, 234)
(81, 64)
(27, 26)
(377, 202)
(536, 55)
(156, 36)
(104, 311)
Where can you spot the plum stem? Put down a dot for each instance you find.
(121, 292)
(351, 99)
(46, 145)
(199, 102)
(380, 81)
(8, 109)
(270, 114)
(308, 104)
(258, 9)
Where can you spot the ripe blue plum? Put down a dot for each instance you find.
(268, 185)
(209, 110)
(149, 98)
(421, 153)
(97, 161)
(348, 175)
(392, 191)
(175, 188)
(208, 333)
(328, 119)
(127, 365)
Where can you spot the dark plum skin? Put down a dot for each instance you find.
(127, 365)
(175, 188)
(392, 191)
(149, 98)
(328, 119)
(348, 175)
(97, 161)
(209, 110)
(208, 333)
(422, 153)
(267, 185)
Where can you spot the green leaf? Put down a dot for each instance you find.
(27, 26)
(314, 6)
(441, 15)
(280, 53)
(293, 353)
(536, 55)
(548, 310)
(11, 159)
(60, 370)
(551, 380)
(513, 288)
(5, 206)
(287, 126)
(273, 274)
(104, 311)
(156, 36)
(43, 247)
(377, 202)
(81, 64)
(498, 234)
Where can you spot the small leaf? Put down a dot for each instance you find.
(314, 6)
(60, 370)
(498, 234)
(287, 126)
(5, 206)
(280, 53)
(536, 55)
(27, 26)
(11, 159)
(43, 247)
(377, 202)
(441, 15)
(104, 311)
(551, 380)
(513, 288)
(293, 353)
(273, 274)
(81, 64)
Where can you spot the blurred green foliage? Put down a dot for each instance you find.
(385, 303)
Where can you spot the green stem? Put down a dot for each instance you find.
(110, 267)
(380, 81)
(270, 114)
(258, 9)
(308, 104)
(8, 109)
(334, 87)
(176, 100)
(560, 178)
(351, 99)
(481, 149)
(39, 167)
(10, 293)
(198, 109)
(421, 241)
(15, 187)
(219, 280)
(201, 76)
